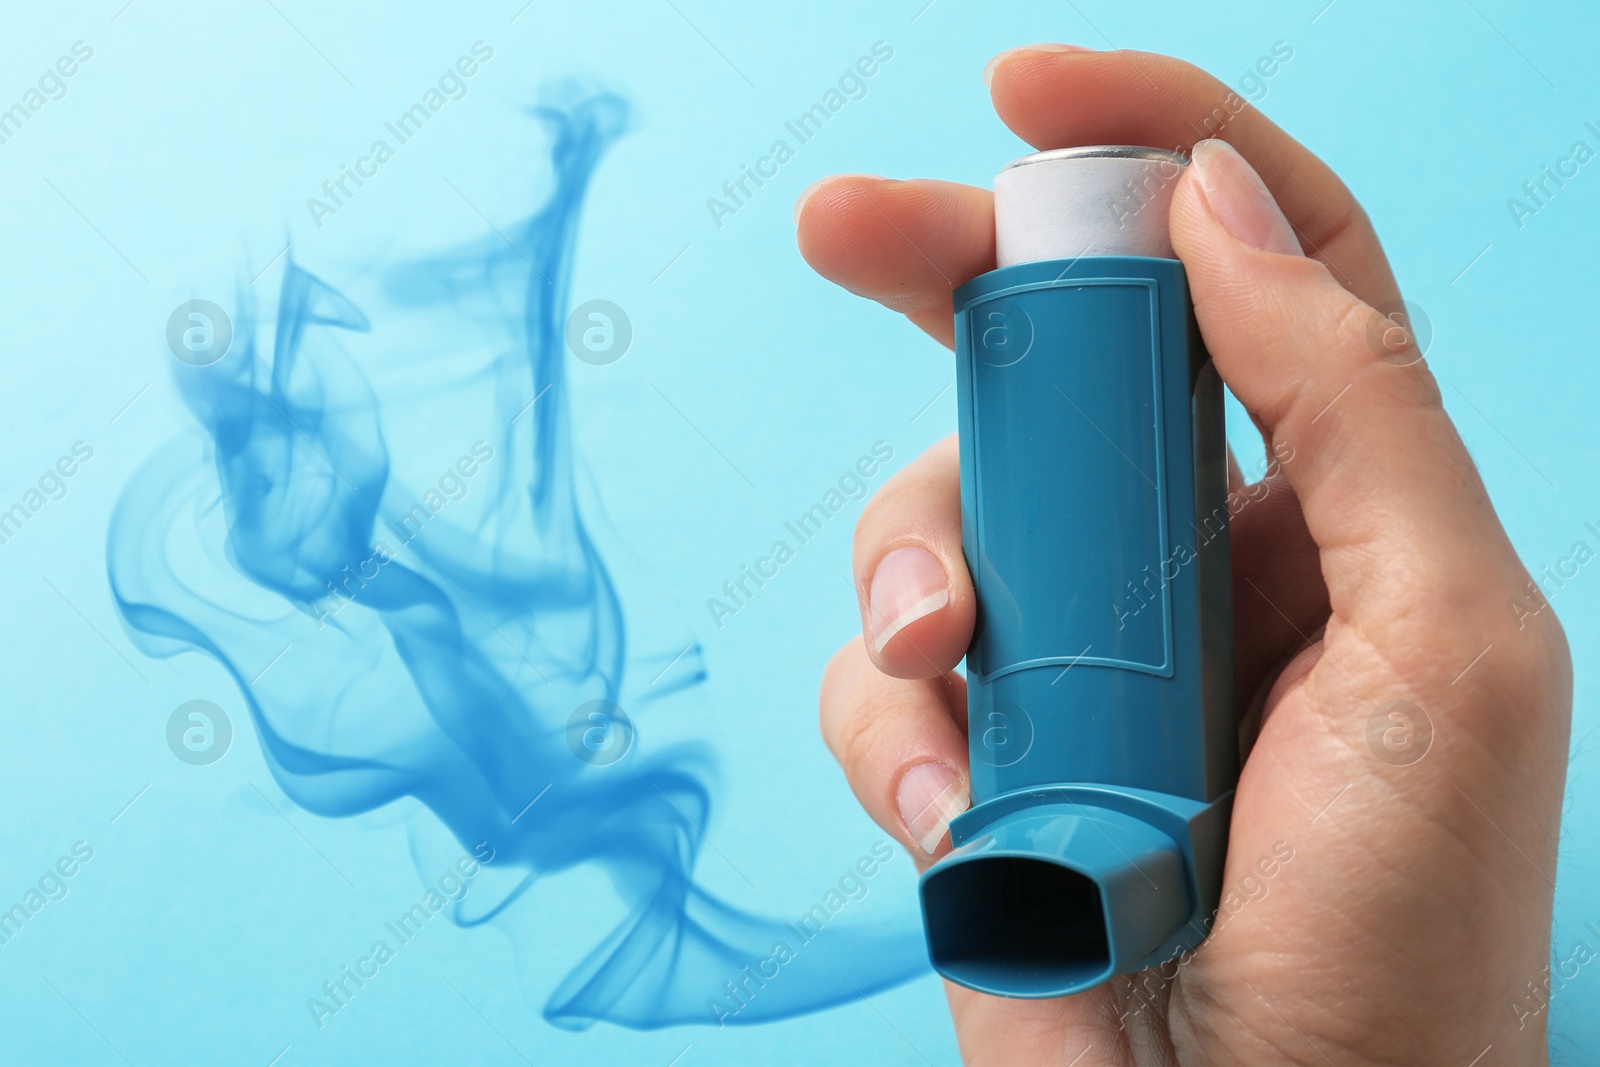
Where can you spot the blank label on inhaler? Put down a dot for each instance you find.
(1101, 598)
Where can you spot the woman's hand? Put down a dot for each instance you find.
(1405, 691)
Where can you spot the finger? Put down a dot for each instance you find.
(917, 601)
(906, 245)
(1278, 594)
(1386, 487)
(901, 746)
(918, 604)
(1279, 598)
(1055, 99)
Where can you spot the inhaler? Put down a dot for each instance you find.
(1094, 522)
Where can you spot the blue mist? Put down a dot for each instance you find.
(413, 654)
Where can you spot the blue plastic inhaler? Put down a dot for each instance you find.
(1094, 522)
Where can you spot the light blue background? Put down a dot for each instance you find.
(190, 143)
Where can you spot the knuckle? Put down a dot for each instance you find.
(835, 682)
(1351, 326)
(858, 737)
(912, 507)
(845, 718)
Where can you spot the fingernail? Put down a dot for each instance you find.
(908, 585)
(812, 189)
(1240, 200)
(930, 795)
(989, 68)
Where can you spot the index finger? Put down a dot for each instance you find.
(908, 244)
(1055, 99)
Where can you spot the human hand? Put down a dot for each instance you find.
(1411, 918)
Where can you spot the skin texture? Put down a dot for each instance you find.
(1368, 568)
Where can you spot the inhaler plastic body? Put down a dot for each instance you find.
(1094, 522)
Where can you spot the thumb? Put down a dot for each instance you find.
(1349, 408)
